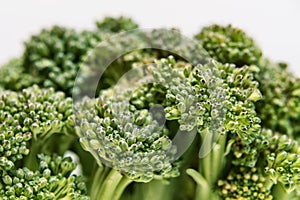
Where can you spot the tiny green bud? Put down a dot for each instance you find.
(7, 179)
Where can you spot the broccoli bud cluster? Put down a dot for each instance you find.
(228, 44)
(244, 183)
(53, 180)
(32, 114)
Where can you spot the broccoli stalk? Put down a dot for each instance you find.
(109, 184)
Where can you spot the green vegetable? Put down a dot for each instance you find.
(170, 118)
(228, 44)
(244, 183)
(117, 24)
(31, 117)
(14, 78)
(52, 180)
(279, 108)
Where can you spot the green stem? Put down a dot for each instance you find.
(269, 184)
(88, 163)
(121, 187)
(217, 161)
(31, 160)
(155, 190)
(210, 166)
(205, 167)
(205, 162)
(203, 189)
(279, 193)
(98, 179)
(47, 145)
(61, 190)
(108, 187)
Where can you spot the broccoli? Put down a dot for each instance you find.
(55, 54)
(244, 183)
(30, 118)
(116, 24)
(122, 133)
(279, 108)
(52, 180)
(228, 44)
(210, 119)
(279, 87)
(53, 57)
(14, 78)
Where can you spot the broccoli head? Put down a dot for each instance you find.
(52, 180)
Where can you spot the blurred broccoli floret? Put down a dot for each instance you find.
(13, 76)
(54, 55)
(116, 24)
(228, 44)
(279, 108)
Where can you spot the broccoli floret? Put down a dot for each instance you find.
(28, 119)
(280, 106)
(118, 129)
(282, 160)
(52, 180)
(116, 24)
(13, 76)
(120, 53)
(54, 56)
(228, 44)
(244, 183)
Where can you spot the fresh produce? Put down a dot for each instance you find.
(208, 117)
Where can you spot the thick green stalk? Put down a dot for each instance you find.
(109, 184)
(279, 193)
(210, 168)
(121, 187)
(203, 190)
(205, 162)
(98, 179)
(30, 161)
(156, 189)
(217, 161)
(212, 164)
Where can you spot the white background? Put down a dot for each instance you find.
(275, 24)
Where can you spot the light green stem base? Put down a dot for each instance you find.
(108, 184)
(279, 193)
(210, 168)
